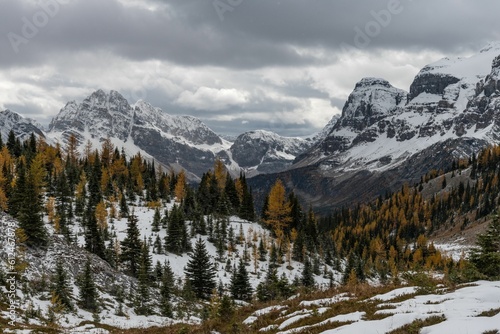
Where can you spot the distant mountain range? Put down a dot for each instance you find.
(178, 142)
(384, 137)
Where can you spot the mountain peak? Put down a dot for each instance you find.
(370, 81)
(491, 46)
(370, 99)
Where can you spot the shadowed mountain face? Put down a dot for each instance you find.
(179, 142)
(386, 137)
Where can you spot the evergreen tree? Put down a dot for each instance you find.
(307, 278)
(232, 194)
(143, 301)
(13, 144)
(94, 241)
(157, 246)
(156, 221)
(30, 212)
(88, 291)
(176, 240)
(200, 271)
(166, 290)
(123, 206)
(131, 247)
(486, 257)
(17, 198)
(60, 286)
(240, 283)
(262, 251)
(269, 289)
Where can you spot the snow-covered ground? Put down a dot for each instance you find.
(251, 233)
(461, 311)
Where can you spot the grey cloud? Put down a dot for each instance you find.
(256, 33)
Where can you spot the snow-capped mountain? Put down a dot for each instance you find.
(386, 137)
(264, 152)
(180, 142)
(22, 127)
(326, 129)
(381, 126)
(176, 141)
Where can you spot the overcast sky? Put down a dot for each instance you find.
(281, 65)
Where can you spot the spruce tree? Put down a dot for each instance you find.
(60, 286)
(156, 221)
(94, 241)
(143, 301)
(131, 247)
(123, 205)
(486, 257)
(240, 283)
(307, 277)
(176, 240)
(166, 290)
(200, 271)
(30, 212)
(88, 291)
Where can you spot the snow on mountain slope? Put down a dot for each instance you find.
(175, 141)
(451, 81)
(327, 129)
(263, 151)
(381, 126)
(108, 280)
(22, 127)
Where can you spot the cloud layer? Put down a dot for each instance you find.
(286, 66)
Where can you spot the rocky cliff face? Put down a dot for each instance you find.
(22, 127)
(386, 137)
(266, 152)
(175, 141)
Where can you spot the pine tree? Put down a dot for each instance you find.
(60, 286)
(13, 144)
(262, 251)
(131, 247)
(88, 291)
(240, 283)
(123, 206)
(94, 241)
(166, 290)
(486, 257)
(156, 221)
(307, 278)
(176, 240)
(30, 212)
(200, 271)
(143, 306)
(157, 246)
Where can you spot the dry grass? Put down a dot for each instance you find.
(489, 313)
(417, 325)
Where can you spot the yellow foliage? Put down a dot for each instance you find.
(279, 210)
(101, 215)
(180, 187)
(220, 174)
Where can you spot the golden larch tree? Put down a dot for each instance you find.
(180, 187)
(278, 211)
